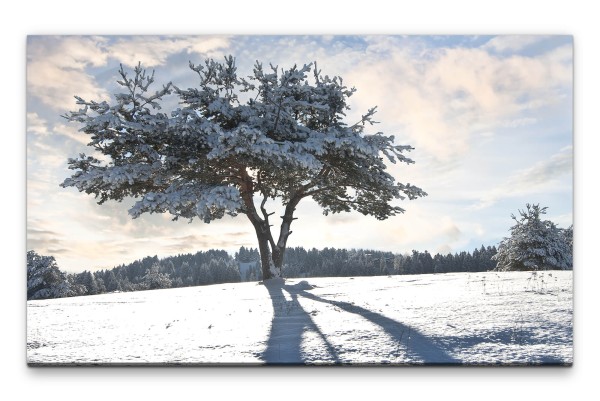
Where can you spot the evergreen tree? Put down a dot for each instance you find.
(167, 267)
(398, 264)
(112, 284)
(426, 262)
(534, 244)
(567, 237)
(383, 268)
(247, 255)
(99, 283)
(44, 278)
(204, 275)
(88, 281)
(187, 275)
(214, 155)
(439, 265)
(154, 279)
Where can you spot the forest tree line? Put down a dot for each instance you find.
(46, 280)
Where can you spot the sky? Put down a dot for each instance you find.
(490, 118)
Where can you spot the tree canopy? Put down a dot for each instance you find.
(535, 244)
(219, 155)
(44, 278)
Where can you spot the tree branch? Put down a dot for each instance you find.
(266, 219)
(322, 174)
(246, 192)
(316, 191)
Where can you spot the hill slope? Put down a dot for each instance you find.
(460, 318)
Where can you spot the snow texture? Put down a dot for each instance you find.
(515, 318)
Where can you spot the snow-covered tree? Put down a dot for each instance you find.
(88, 280)
(218, 155)
(154, 279)
(567, 235)
(203, 276)
(44, 278)
(534, 244)
(247, 255)
(112, 284)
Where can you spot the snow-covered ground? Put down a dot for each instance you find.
(461, 318)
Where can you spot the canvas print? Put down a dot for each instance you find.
(299, 200)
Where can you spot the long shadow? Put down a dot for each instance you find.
(419, 346)
(290, 321)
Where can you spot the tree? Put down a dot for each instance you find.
(44, 278)
(217, 155)
(112, 284)
(154, 279)
(567, 236)
(534, 244)
(88, 281)
(246, 255)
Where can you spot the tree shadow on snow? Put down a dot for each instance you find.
(290, 321)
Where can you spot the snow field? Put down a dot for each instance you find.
(457, 318)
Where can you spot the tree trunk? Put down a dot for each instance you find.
(265, 254)
(269, 253)
(284, 232)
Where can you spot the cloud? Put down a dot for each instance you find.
(43, 161)
(531, 180)
(56, 69)
(82, 255)
(43, 232)
(194, 242)
(420, 225)
(563, 220)
(153, 50)
(41, 238)
(36, 124)
(519, 122)
(71, 132)
(58, 251)
(57, 66)
(439, 98)
(512, 43)
(450, 230)
(342, 218)
(444, 249)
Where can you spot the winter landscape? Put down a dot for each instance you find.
(508, 318)
(300, 200)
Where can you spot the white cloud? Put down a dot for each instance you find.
(36, 124)
(71, 132)
(512, 43)
(152, 51)
(531, 180)
(56, 69)
(519, 122)
(57, 65)
(564, 220)
(439, 98)
(443, 249)
(421, 227)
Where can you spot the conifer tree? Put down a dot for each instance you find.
(44, 278)
(217, 155)
(534, 244)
